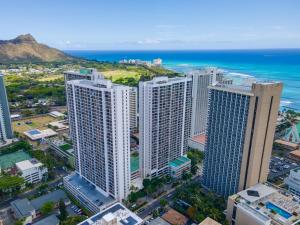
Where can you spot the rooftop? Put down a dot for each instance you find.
(174, 217)
(269, 203)
(179, 161)
(295, 153)
(88, 189)
(209, 221)
(158, 221)
(118, 213)
(50, 220)
(201, 138)
(28, 164)
(22, 207)
(54, 196)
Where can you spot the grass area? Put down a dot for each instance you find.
(8, 160)
(118, 74)
(65, 147)
(51, 77)
(39, 122)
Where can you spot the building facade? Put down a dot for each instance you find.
(133, 101)
(6, 132)
(32, 170)
(201, 80)
(240, 132)
(293, 181)
(165, 122)
(99, 120)
(263, 204)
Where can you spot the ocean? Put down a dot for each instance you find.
(276, 64)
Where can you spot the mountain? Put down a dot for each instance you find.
(25, 49)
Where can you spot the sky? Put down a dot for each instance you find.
(154, 24)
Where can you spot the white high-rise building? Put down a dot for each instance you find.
(6, 133)
(100, 130)
(201, 80)
(165, 122)
(133, 109)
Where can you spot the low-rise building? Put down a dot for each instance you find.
(37, 134)
(175, 218)
(179, 166)
(87, 193)
(293, 181)
(114, 215)
(32, 170)
(295, 155)
(197, 142)
(209, 221)
(29, 211)
(263, 204)
(23, 210)
(49, 220)
(158, 221)
(286, 145)
(62, 149)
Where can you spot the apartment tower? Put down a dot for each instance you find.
(201, 80)
(100, 130)
(6, 132)
(240, 132)
(165, 122)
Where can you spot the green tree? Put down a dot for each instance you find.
(47, 208)
(73, 220)
(163, 202)
(63, 211)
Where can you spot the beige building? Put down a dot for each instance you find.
(263, 204)
(240, 133)
(209, 221)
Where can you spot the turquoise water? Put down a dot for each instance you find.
(278, 210)
(279, 65)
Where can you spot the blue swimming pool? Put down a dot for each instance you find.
(34, 132)
(278, 210)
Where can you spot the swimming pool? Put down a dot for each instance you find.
(34, 132)
(278, 210)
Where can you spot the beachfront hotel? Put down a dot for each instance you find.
(263, 204)
(165, 106)
(6, 133)
(100, 130)
(240, 132)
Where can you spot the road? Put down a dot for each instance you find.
(169, 196)
(32, 192)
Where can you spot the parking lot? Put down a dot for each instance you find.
(280, 166)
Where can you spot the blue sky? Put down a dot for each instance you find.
(154, 24)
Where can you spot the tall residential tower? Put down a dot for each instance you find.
(6, 132)
(165, 122)
(100, 130)
(240, 132)
(201, 80)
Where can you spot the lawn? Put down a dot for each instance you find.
(119, 74)
(39, 122)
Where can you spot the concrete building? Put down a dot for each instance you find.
(82, 74)
(114, 215)
(263, 204)
(165, 122)
(133, 101)
(293, 181)
(179, 166)
(201, 80)
(240, 132)
(6, 132)
(32, 170)
(99, 120)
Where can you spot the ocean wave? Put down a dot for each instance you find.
(234, 74)
(285, 102)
